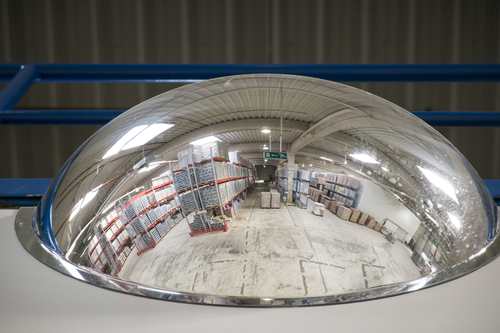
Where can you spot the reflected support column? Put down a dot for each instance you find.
(292, 168)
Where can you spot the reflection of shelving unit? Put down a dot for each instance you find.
(341, 188)
(110, 245)
(201, 201)
(209, 186)
(140, 219)
(149, 215)
(301, 182)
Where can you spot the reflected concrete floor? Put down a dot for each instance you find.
(273, 253)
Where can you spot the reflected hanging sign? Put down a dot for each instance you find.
(275, 155)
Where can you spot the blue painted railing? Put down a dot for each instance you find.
(20, 78)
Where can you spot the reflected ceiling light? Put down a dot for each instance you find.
(137, 136)
(326, 159)
(205, 140)
(365, 158)
(265, 131)
(265, 148)
(441, 183)
(117, 147)
(147, 135)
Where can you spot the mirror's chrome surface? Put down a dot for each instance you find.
(265, 190)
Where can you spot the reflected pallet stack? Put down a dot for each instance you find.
(210, 194)
(110, 245)
(150, 214)
(140, 219)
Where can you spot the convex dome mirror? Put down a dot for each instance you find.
(265, 190)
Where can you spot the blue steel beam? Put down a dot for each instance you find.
(17, 87)
(460, 118)
(29, 191)
(105, 73)
(102, 116)
(22, 191)
(8, 71)
(59, 116)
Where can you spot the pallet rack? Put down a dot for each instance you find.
(137, 220)
(208, 186)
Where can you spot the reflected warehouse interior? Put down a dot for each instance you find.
(270, 186)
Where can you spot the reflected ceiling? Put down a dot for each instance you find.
(265, 190)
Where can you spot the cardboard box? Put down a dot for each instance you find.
(356, 213)
(332, 207)
(265, 200)
(363, 218)
(371, 223)
(378, 227)
(344, 212)
(275, 200)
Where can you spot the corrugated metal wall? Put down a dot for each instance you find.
(321, 31)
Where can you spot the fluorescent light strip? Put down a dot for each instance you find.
(363, 157)
(117, 147)
(205, 140)
(147, 135)
(137, 136)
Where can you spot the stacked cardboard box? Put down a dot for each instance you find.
(205, 172)
(344, 212)
(363, 218)
(371, 223)
(201, 222)
(275, 199)
(144, 242)
(356, 213)
(265, 200)
(210, 150)
(325, 200)
(314, 194)
(332, 207)
(209, 196)
(181, 179)
(189, 202)
(185, 157)
(198, 221)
